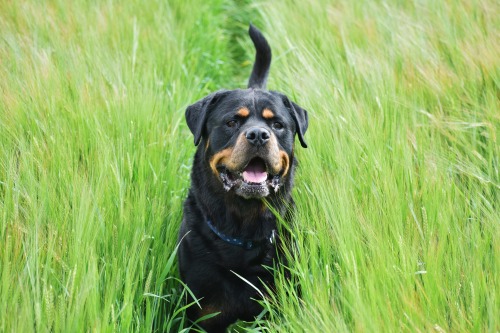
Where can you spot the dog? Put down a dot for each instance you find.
(242, 176)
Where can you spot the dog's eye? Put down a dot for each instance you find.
(277, 125)
(231, 123)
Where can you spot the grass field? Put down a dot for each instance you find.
(398, 194)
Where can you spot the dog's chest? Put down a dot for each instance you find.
(250, 261)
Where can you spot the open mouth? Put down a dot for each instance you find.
(253, 181)
(255, 171)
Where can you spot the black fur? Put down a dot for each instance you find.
(260, 71)
(224, 125)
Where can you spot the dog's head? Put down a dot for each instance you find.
(248, 138)
(248, 135)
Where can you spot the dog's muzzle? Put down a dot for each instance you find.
(254, 167)
(254, 181)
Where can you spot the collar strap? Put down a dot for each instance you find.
(244, 243)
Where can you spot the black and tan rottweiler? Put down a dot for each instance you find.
(228, 237)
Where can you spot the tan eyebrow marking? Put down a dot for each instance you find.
(268, 114)
(243, 112)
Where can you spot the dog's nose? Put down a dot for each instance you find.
(257, 136)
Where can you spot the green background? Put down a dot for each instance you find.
(398, 222)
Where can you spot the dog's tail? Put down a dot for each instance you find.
(262, 63)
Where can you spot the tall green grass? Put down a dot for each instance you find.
(95, 157)
(397, 223)
(398, 196)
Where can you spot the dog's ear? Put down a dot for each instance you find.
(197, 113)
(300, 118)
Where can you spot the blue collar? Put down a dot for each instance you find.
(244, 243)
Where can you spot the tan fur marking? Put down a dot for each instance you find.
(285, 162)
(243, 112)
(268, 114)
(274, 155)
(221, 157)
(231, 157)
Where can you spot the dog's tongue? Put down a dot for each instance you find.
(255, 172)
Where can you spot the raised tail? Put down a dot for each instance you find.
(260, 71)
